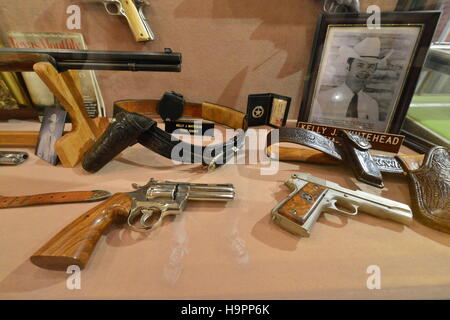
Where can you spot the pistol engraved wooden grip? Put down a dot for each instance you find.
(74, 244)
(45, 198)
(301, 204)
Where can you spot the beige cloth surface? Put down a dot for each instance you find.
(217, 250)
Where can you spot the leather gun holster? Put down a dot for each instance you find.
(430, 188)
(119, 135)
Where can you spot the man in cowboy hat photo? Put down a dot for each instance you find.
(349, 100)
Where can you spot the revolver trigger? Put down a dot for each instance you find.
(147, 214)
(144, 219)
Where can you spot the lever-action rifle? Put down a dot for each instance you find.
(12, 59)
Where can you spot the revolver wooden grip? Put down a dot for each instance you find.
(75, 243)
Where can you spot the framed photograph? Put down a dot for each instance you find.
(52, 129)
(364, 78)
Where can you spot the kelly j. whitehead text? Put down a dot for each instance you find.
(380, 140)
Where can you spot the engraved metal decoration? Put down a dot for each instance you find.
(314, 140)
(358, 140)
(307, 197)
(258, 112)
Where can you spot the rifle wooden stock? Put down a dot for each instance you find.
(22, 61)
(75, 243)
(18, 138)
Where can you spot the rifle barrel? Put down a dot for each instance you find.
(100, 60)
(125, 66)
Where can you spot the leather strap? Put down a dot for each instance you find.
(208, 111)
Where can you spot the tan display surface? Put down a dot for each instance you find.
(218, 250)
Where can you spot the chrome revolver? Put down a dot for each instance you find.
(144, 209)
(158, 199)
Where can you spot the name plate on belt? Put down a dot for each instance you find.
(192, 127)
(380, 140)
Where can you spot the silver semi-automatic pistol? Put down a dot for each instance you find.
(312, 196)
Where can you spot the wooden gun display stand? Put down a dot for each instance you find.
(66, 88)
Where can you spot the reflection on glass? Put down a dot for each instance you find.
(429, 113)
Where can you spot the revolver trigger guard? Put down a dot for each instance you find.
(337, 210)
(147, 213)
(143, 213)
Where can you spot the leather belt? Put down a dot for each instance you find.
(352, 149)
(133, 125)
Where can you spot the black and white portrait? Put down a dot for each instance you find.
(52, 128)
(361, 76)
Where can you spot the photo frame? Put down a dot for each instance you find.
(364, 78)
(14, 100)
(52, 128)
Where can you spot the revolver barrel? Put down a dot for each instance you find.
(195, 191)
